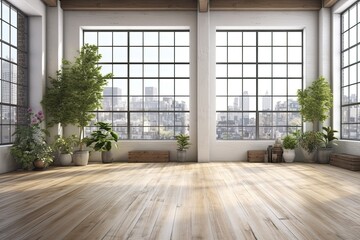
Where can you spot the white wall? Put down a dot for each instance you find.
(307, 20)
(36, 11)
(75, 21)
(212, 149)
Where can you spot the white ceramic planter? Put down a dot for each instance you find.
(289, 155)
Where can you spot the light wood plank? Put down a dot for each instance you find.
(129, 5)
(265, 5)
(181, 201)
(50, 3)
(329, 3)
(203, 5)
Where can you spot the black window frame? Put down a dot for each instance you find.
(224, 126)
(14, 71)
(180, 110)
(350, 79)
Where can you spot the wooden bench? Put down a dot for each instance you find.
(347, 161)
(148, 156)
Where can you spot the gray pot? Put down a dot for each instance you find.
(81, 158)
(107, 157)
(324, 155)
(65, 159)
(181, 156)
(308, 157)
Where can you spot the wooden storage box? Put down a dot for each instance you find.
(148, 156)
(347, 161)
(256, 155)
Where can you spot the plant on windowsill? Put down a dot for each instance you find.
(183, 143)
(103, 139)
(82, 83)
(30, 148)
(328, 136)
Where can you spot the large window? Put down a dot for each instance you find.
(257, 76)
(350, 72)
(148, 97)
(13, 68)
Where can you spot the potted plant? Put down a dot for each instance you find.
(82, 84)
(289, 145)
(103, 139)
(64, 146)
(315, 102)
(309, 142)
(30, 148)
(183, 143)
(328, 136)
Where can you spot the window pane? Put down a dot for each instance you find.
(167, 39)
(151, 54)
(249, 38)
(182, 87)
(136, 38)
(262, 86)
(120, 54)
(221, 38)
(264, 54)
(182, 38)
(264, 38)
(182, 54)
(166, 86)
(151, 39)
(235, 55)
(280, 54)
(120, 39)
(295, 54)
(235, 87)
(148, 92)
(166, 54)
(105, 38)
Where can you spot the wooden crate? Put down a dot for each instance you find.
(347, 161)
(148, 156)
(256, 155)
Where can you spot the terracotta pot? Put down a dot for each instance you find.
(40, 164)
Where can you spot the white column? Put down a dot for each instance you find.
(203, 85)
(325, 49)
(54, 49)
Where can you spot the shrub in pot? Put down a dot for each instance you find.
(289, 145)
(183, 143)
(30, 147)
(328, 136)
(64, 146)
(82, 84)
(102, 141)
(309, 142)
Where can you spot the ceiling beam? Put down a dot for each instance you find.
(265, 4)
(329, 3)
(203, 5)
(50, 3)
(129, 5)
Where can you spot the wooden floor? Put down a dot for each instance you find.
(181, 201)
